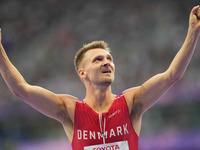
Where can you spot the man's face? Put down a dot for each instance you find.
(98, 67)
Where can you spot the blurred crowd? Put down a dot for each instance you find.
(42, 36)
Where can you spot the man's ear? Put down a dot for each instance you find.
(82, 73)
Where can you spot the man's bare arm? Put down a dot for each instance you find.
(143, 97)
(46, 102)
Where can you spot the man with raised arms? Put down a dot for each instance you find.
(102, 120)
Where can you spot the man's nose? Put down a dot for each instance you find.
(106, 64)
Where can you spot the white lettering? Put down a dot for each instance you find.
(79, 134)
(99, 135)
(125, 129)
(119, 130)
(112, 133)
(92, 135)
(85, 134)
(116, 112)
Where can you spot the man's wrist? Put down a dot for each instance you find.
(192, 31)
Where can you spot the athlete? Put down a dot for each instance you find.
(102, 120)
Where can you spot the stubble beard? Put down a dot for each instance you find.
(104, 82)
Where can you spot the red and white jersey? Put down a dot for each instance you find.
(113, 132)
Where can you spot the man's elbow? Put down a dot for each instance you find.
(20, 91)
(173, 78)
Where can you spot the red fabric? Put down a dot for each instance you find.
(116, 125)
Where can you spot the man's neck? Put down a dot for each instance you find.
(99, 99)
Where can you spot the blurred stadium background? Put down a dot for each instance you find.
(42, 36)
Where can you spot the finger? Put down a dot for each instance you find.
(195, 9)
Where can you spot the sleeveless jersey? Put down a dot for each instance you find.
(114, 131)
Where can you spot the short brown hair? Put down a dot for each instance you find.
(80, 53)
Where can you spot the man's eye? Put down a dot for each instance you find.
(98, 59)
(109, 58)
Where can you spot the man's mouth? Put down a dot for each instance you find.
(106, 71)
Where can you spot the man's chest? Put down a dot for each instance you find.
(113, 125)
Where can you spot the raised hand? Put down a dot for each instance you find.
(194, 21)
